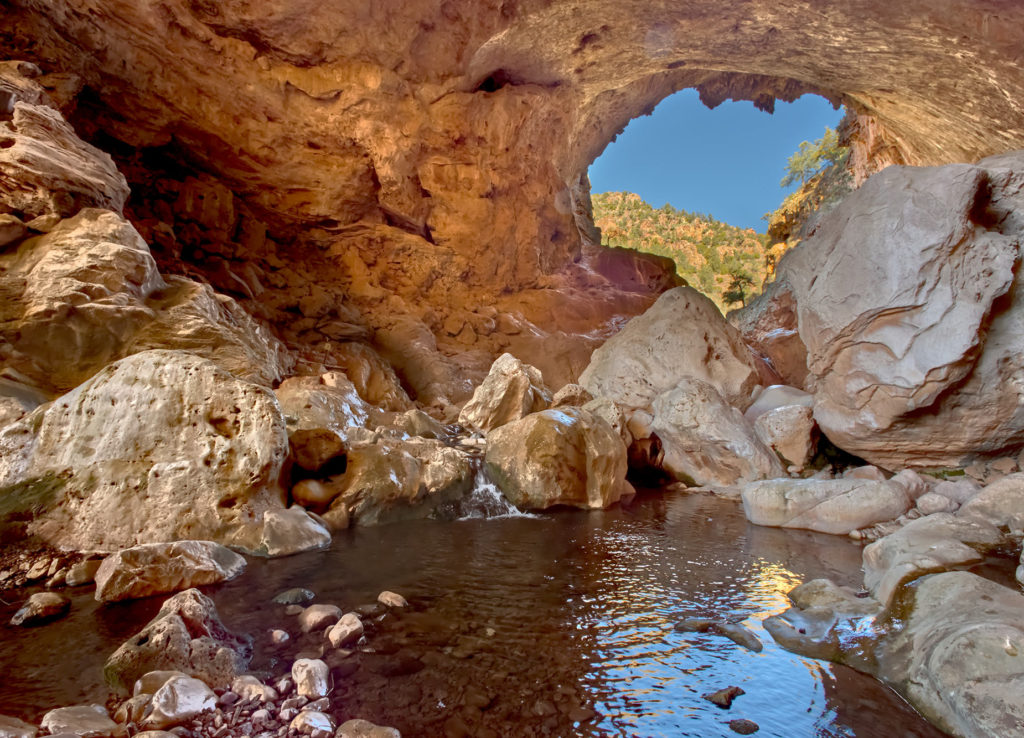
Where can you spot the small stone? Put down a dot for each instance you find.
(12, 727)
(365, 729)
(311, 678)
(178, 700)
(132, 709)
(294, 596)
(318, 617)
(151, 681)
(294, 703)
(1004, 465)
(228, 698)
(931, 503)
(57, 580)
(284, 685)
(88, 721)
(975, 471)
(308, 721)
(294, 610)
(38, 570)
(84, 572)
(41, 608)
(723, 697)
(582, 714)
(277, 637)
(391, 599)
(261, 716)
(744, 726)
(346, 631)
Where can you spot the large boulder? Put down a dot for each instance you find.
(511, 390)
(558, 457)
(157, 568)
(790, 431)
(912, 318)
(682, 335)
(186, 635)
(159, 446)
(1000, 504)
(836, 506)
(705, 441)
(769, 326)
(392, 479)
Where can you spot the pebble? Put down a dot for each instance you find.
(391, 599)
(294, 596)
(278, 636)
(318, 617)
(744, 726)
(723, 698)
(346, 631)
(84, 572)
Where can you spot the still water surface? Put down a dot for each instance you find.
(557, 625)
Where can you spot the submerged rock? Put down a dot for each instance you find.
(511, 391)
(158, 568)
(40, 608)
(365, 729)
(705, 441)
(835, 506)
(291, 531)
(187, 636)
(724, 697)
(558, 457)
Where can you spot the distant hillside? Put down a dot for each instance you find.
(720, 260)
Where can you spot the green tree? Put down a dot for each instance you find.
(737, 289)
(811, 157)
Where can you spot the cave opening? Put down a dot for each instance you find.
(704, 186)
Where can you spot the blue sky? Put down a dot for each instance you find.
(727, 161)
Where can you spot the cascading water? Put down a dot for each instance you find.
(485, 500)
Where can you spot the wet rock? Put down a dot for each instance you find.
(291, 531)
(158, 568)
(12, 727)
(835, 506)
(82, 573)
(40, 608)
(744, 726)
(317, 617)
(180, 699)
(186, 635)
(735, 632)
(346, 631)
(1000, 504)
(914, 366)
(87, 721)
(791, 432)
(365, 729)
(294, 596)
(935, 543)
(133, 709)
(309, 721)
(250, 688)
(558, 457)
(415, 422)
(312, 678)
(959, 491)
(392, 599)
(278, 637)
(151, 681)
(682, 335)
(724, 697)
(394, 480)
(707, 442)
(511, 391)
(931, 502)
(160, 446)
(312, 448)
(325, 403)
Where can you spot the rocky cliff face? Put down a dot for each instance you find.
(392, 171)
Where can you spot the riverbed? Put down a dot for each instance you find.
(558, 624)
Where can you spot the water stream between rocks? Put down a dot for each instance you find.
(559, 624)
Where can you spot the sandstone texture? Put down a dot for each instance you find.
(835, 506)
(914, 343)
(157, 568)
(790, 431)
(160, 446)
(707, 442)
(87, 721)
(558, 457)
(681, 335)
(511, 391)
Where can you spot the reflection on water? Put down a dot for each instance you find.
(559, 625)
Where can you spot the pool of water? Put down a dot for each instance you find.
(554, 625)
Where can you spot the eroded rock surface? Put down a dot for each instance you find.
(511, 391)
(835, 506)
(157, 568)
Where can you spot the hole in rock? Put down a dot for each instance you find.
(702, 187)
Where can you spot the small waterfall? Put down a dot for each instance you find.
(485, 500)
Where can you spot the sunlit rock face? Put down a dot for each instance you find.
(410, 173)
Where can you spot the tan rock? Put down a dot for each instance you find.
(612, 414)
(291, 531)
(45, 167)
(707, 442)
(776, 396)
(12, 727)
(347, 631)
(329, 402)
(415, 422)
(392, 599)
(365, 729)
(87, 721)
(314, 447)
(511, 391)
(681, 336)
(160, 446)
(791, 432)
(179, 700)
(396, 480)
(558, 457)
(571, 395)
(151, 681)
(12, 230)
(41, 607)
(311, 678)
(869, 472)
(1000, 504)
(311, 493)
(317, 617)
(158, 568)
(769, 325)
(308, 722)
(835, 506)
(930, 503)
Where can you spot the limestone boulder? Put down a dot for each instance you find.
(180, 699)
(1000, 504)
(160, 446)
(158, 568)
(683, 335)
(291, 531)
(41, 607)
(511, 391)
(87, 721)
(311, 677)
(707, 442)
(317, 410)
(791, 432)
(769, 325)
(915, 342)
(46, 168)
(373, 378)
(959, 656)
(558, 457)
(12, 727)
(934, 543)
(612, 414)
(776, 396)
(571, 395)
(835, 506)
(393, 479)
(186, 635)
